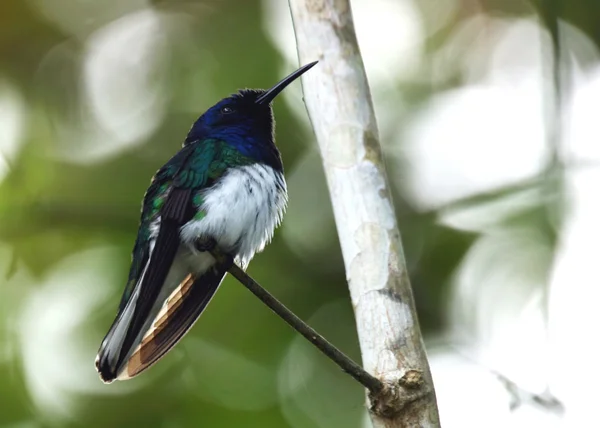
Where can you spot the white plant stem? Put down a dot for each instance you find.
(339, 104)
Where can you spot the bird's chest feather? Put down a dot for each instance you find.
(241, 210)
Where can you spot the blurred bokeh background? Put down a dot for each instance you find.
(488, 111)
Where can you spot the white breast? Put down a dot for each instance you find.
(242, 210)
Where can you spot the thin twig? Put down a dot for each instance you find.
(373, 384)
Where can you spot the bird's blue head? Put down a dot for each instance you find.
(245, 121)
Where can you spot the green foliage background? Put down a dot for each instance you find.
(240, 366)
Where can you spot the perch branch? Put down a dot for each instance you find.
(338, 101)
(337, 356)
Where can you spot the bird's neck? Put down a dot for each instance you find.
(260, 148)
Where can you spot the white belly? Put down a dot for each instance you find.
(242, 211)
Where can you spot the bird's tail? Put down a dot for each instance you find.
(171, 317)
(177, 316)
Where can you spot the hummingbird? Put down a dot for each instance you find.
(225, 189)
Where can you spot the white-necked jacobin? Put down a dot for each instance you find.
(225, 188)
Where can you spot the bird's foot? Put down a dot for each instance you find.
(227, 260)
(209, 244)
(205, 244)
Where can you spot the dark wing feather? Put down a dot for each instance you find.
(183, 308)
(155, 194)
(175, 213)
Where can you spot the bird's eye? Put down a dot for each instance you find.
(226, 110)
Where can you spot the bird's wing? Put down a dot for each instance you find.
(153, 199)
(175, 213)
(139, 337)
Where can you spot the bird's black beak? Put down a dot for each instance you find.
(268, 96)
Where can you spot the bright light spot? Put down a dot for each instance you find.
(124, 77)
(518, 51)
(12, 117)
(497, 302)
(574, 300)
(390, 35)
(487, 135)
(481, 216)
(460, 386)
(470, 395)
(483, 48)
(80, 17)
(473, 140)
(467, 49)
(58, 362)
(511, 59)
(583, 130)
(436, 14)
